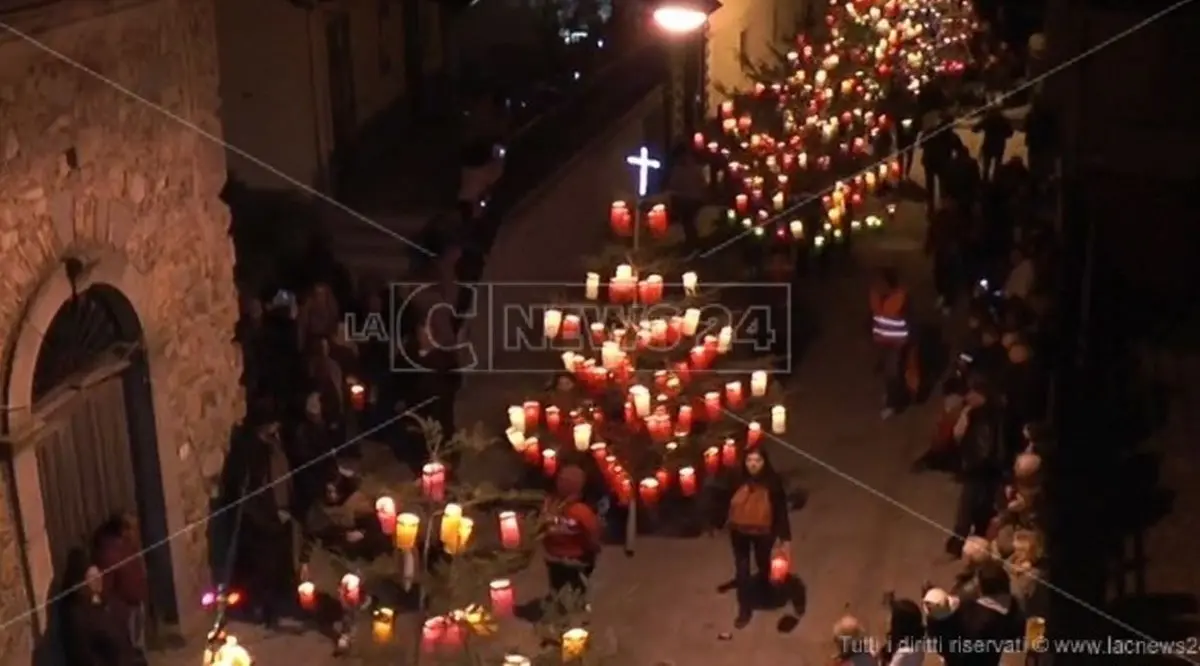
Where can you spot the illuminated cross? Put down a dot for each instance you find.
(644, 164)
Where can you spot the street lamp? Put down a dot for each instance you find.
(683, 20)
(680, 19)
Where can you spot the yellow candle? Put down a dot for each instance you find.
(451, 518)
(407, 526)
(574, 643)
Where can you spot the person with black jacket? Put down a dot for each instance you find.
(93, 631)
(758, 525)
(1025, 386)
(991, 622)
(267, 527)
(997, 129)
(980, 433)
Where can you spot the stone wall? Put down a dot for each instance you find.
(89, 169)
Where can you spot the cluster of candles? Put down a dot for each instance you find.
(454, 533)
(827, 106)
(656, 415)
(624, 221)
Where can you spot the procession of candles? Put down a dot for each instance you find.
(815, 131)
(655, 410)
(655, 361)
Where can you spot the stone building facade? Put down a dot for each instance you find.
(109, 156)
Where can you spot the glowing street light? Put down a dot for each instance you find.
(681, 17)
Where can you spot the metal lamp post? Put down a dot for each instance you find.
(684, 21)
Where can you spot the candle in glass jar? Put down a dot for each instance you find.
(687, 481)
(510, 530)
(712, 405)
(663, 475)
(683, 423)
(777, 201)
(598, 333)
(500, 592)
(532, 451)
(753, 434)
(351, 590)
(651, 290)
(452, 516)
(432, 633)
(385, 511)
(758, 383)
(516, 418)
(591, 286)
(574, 644)
(659, 332)
(570, 327)
(724, 339)
(552, 322)
(583, 436)
(640, 397)
(733, 394)
(382, 622)
(729, 453)
(433, 481)
(778, 419)
(690, 283)
(407, 527)
(780, 568)
(553, 417)
(549, 462)
(306, 592)
(691, 321)
(533, 414)
(648, 491)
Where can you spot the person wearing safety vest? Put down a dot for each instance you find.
(891, 330)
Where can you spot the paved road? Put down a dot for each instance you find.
(868, 525)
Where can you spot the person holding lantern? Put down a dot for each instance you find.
(572, 539)
(758, 526)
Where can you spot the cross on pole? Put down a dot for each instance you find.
(644, 164)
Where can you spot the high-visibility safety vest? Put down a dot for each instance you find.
(888, 325)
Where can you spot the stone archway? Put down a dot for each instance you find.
(54, 366)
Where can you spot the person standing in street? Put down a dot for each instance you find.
(891, 333)
(572, 540)
(758, 526)
(997, 130)
(980, 433)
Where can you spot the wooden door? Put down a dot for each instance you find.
(85, 464)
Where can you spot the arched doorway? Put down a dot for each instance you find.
(96, 446)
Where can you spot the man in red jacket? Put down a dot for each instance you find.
(119, 555)
(572, 538)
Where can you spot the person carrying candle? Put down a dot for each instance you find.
(758, 525)
(897, 356)
(572, 538)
